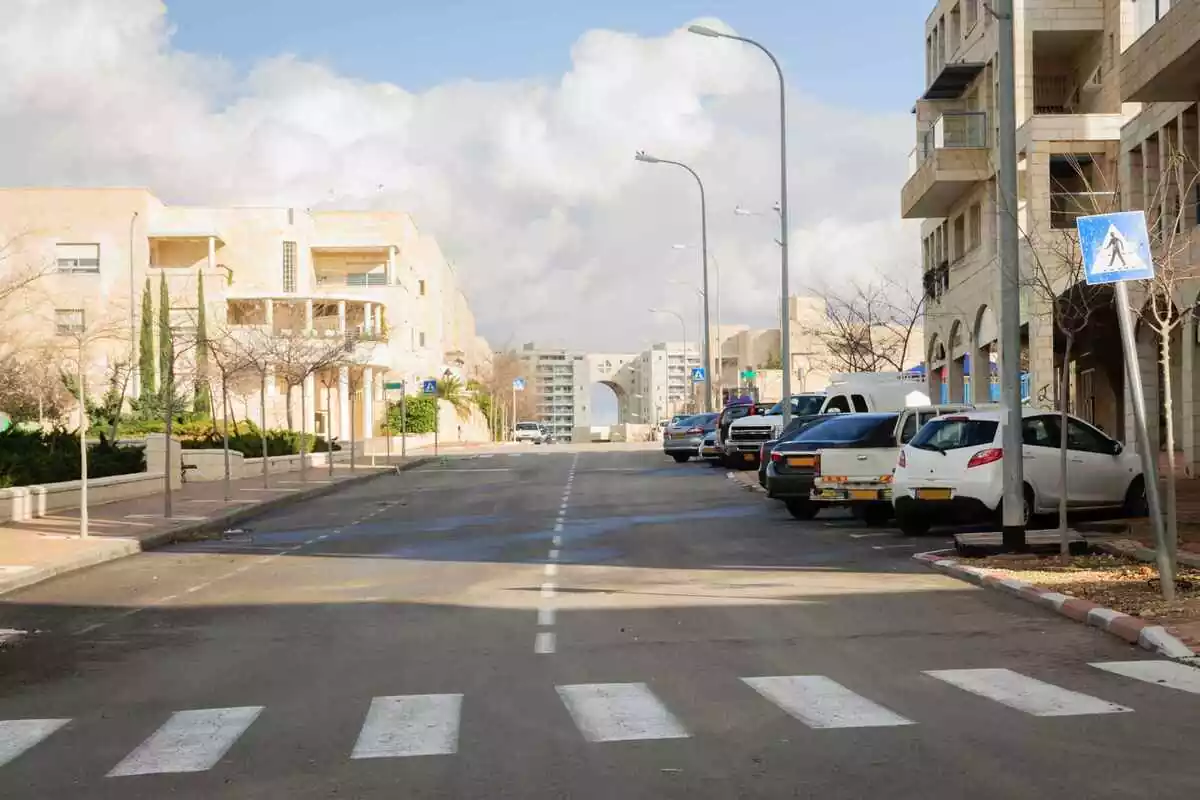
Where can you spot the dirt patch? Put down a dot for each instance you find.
(1111, 581)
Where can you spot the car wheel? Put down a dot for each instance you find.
(877, 516)
(1135, 499)
(801, 509)
(681, 458)
(911, 522)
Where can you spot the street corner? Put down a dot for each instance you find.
(1131, 628)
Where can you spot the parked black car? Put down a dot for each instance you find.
(793, 429)
(734, 412)
(794, 464)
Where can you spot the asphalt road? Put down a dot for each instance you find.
(563, 624)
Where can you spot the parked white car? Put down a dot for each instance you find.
(529, 432)
(952, 470)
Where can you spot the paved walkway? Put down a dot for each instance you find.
(42, 548)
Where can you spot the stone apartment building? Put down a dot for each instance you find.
(1106, 91)
(369, 279)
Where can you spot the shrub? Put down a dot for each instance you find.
(250, 442)
(32, 457)
(421, 413)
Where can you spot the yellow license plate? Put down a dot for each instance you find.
(805, 461)
(831, 494)
(933, 494)
(748, 456)
(864, 494)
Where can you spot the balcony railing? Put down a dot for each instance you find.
(1066, 207)
(353, 279)
(952, 130)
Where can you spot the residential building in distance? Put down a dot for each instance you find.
(559, 381)
(368, 280)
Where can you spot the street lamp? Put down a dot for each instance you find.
(785, 330)
(683, 328)
(713, 379)
(649, 159)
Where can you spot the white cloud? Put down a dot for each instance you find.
(524, 183)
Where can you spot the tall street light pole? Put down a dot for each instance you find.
(714, 338)
(649, 159)
(785, 327)
(1013, 524)
(683, 330)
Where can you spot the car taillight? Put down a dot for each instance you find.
(903, 462)
(776, 456)
(817, 464)
(989, 456)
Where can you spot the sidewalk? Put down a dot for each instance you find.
(39, 549)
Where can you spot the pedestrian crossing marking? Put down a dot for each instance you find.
(18, 735)
(1161, 673)
(820, 702)
(1026, 694)
(410, 725)
(190, 741)
(619, 712)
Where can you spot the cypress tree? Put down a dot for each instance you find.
(149, 383)
(166, 345)
(203, 399)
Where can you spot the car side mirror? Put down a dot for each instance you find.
(1117, 448)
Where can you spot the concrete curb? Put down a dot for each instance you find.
(1131, 548)
(1126, 627)
(748, 485)
(122, 547)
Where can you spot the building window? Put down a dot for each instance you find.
(975, 226)
(289, 266)
(959, 244)
(68, 320)
(77, 257)
(421, 288)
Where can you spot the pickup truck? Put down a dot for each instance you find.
(743, 444)
(860, 477)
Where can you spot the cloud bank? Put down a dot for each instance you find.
(530, 186)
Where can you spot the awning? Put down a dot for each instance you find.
(952, 81)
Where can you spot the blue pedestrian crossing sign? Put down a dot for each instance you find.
(429, 387)
(1115, 247)
(518, 384)
(698, 374)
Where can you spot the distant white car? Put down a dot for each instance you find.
(529, 432)
(953, 470)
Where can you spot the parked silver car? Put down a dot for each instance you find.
(681, 440)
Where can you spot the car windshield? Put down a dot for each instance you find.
(527, 426)
(848, 428)
(953, 433)
(804, 404)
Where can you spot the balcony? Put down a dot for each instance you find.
(1164, 64)
(951, 81)
(1066, 207)
(952, 157)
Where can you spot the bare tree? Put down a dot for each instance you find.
(1055, 278)
(296, 358)
(231, 360)
(1162, 312)
(868, 327)
(257, 348)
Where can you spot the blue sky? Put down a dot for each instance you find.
(864, 55)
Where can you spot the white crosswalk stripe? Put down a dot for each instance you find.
(410, 725)
(190, 741)
(819, 702)
(619, 712)
(1162, 673)
(18, 735)
(1026, 694)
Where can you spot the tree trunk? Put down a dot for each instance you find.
(1172, 527)
(225, 437)
(262, 431)
(1064, 382)
(291, 426)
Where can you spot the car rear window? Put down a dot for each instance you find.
(953, 433)
(527, 426)
(847, 428)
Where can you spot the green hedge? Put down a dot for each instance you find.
(250, 443)
(32, 457)
(420, 411)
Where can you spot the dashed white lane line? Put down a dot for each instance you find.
(546, 616)
(558, 526)
(557, 540)
(551, 570)
(548, 589)
(554, 555)
(544, 643)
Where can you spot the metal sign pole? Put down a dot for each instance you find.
(1149, 467)
(404, 419)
